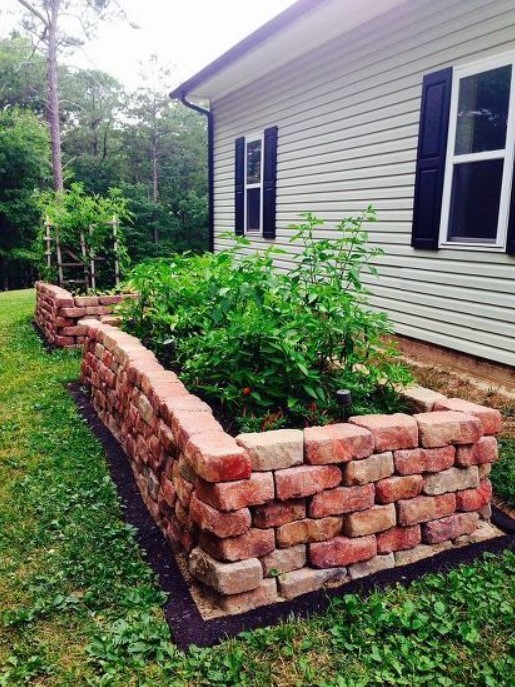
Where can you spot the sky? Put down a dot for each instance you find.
(186, 35)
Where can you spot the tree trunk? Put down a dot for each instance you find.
(155, 183)
(53, 97)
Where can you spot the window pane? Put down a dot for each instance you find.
(483, 111)
(253, 208)
(254, 162)
(475, 196)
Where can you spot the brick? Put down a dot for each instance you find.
(165, 436)
(221, 524)
(64, 341)
(398, 539)
(474, 499)
(484, 532)
(274, 450)
(371, 566)
(112, 300)
(258, 489)
(375, 519)
(168, 492)
(278, 513)
(420, 552)
(342, 551)
(307, 580)
(484, 470)
(216, 457)
(420, 460)
(254, 543)
(72, 312)
(452, 479)
(342, 500)
(225, 578)
(337, 443)
(83, 301)
(484, 451)
(186, 424)
(449, 528)
(394, 488)
(264, 595)
(486, 512)
(179, 400)
(372, 469)
(445, 427)
(306, 480)
(145, 409)
(491, 418)
(305, 531)
(284, 560)
(390, 432)
(420, 399)
(73, 331)
(424, 508)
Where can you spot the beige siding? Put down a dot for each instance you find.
(348, 122)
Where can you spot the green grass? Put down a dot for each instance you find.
(503, 472)
(79, 606)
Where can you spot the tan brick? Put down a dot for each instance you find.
(474, 499)
(216, 457)
(278, 513)
(390, 432)
(420, 399)
(263, 595)
(307, 580)
(449, 528)
(337, 443)
(452, 479)
(274, 450)
(484, 470)
(372, 469)
(420, 552)
(420, 460)
(306, 480)
(398, 539)
(484, 451)
(226, 578)
(186, 424)
(491, 418)
(304, 531)
(424, 508)
(284, 560)
(371, 566)
(342, 551)
(342, 500)
(258, 489)
(145, 409)
(445, 427)
(394, 488)
(375, 519)
(253, 544)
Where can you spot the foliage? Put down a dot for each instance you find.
(268, 345)
(503, 472)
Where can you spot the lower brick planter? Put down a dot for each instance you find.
(270, 516)
(58, 312)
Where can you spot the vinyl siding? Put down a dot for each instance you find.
(348, 123)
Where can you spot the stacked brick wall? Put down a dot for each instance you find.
(272, 515)
(58, 312)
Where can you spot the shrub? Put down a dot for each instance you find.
(270, 347)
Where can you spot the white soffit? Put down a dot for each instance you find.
(319, 26)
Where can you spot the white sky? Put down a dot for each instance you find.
(186, 35)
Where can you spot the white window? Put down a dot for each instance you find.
(480, 151)
(254, 183)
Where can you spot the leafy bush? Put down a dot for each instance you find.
(270, 347)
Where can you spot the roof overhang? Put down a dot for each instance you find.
(298, 30)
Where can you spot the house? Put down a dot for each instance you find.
(405, 104)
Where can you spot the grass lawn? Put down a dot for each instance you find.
(79, 606)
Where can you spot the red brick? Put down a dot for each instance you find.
(372, 469)
(111, 300)
(216, 457)
(253, 543)
(484, 451)
(395, 488)
(179, 400)
(72, 312)
(491, 418)
(278, 513)
(342, 551)
(474, 499)
(424, 508)
(258, 489)
(223, 525)
(444, 427)
(420, 460)
(390, 431)
(183, 488)
(341, 500)
(83, 301)
(305, 531)
(370, 521)
(449, 528)
(168, 492)
(337, 443)
(64, 341)
(306, 480)
(187, 424)
(399, 539)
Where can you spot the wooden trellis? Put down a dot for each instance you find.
(71, 260)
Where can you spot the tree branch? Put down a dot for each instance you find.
(34, 11)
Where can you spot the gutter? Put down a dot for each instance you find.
(210, 163)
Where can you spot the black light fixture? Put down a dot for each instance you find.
(344, 399)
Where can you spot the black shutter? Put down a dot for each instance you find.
(510, 244)
(239, 186)
(269, 182)
(432, 149)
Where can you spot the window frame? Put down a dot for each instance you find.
(507, 155)
(252, 138)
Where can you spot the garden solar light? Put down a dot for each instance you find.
(344, 399)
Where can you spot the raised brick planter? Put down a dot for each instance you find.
(58, 312)
(269, 516)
